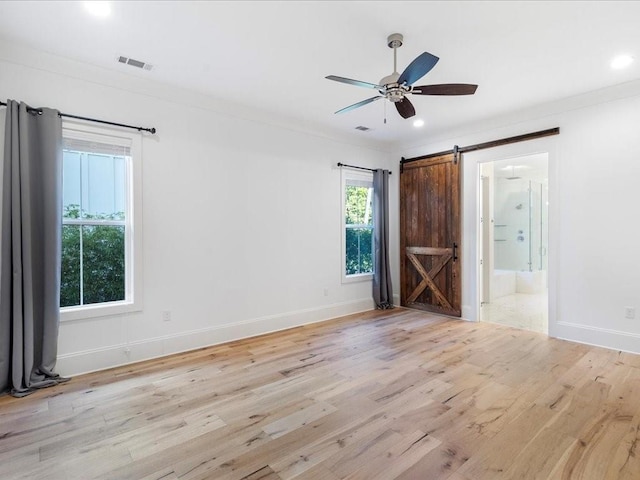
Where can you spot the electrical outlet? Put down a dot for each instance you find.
(630, 312)
(166, 316)
(127, 351)
(326, 292)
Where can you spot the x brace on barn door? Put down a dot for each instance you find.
(428, 278)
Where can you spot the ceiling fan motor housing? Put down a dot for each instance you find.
(391, 89)
(390, 79)
(393, 92)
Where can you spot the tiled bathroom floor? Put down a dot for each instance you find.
(520, 310)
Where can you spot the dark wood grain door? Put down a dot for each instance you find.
(430, 235)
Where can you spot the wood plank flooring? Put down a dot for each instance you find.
(397, 394)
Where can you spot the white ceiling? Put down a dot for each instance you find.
(274, 55)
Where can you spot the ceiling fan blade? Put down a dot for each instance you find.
(405, 108)
(359, 104)
(445, 89)
(418, 68)
(357, 83)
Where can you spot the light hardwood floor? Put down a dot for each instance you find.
(376, 396)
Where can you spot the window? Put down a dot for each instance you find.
(357, 222)
(101, 272)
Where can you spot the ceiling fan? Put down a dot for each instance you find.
(397, 86)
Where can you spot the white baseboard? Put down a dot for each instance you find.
(596, 336)
(469, 313)
(87, 361)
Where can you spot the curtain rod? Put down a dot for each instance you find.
(359, 168)
(151, 130)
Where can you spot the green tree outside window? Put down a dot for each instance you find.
(358, 229)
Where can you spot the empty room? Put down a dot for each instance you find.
(320, 240)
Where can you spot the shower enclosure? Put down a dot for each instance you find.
(520, 224)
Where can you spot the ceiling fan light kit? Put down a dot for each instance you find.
(397, 86)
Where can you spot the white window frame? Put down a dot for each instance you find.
(360, 176)
(133, 223)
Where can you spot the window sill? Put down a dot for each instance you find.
(362, 277)
(85, 312)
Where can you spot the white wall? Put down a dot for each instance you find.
(594, 171)
(241, 218)
(242, 212)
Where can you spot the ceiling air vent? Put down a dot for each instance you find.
(362, 128)
(135, 63)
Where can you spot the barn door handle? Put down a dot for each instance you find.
(455, 251)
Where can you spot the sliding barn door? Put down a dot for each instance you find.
(430, 235)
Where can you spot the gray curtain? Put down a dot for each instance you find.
(30, 249)
(382, 291)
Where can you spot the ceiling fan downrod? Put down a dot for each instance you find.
(395, 41)
(391, 89)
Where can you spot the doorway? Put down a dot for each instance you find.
(513, 240)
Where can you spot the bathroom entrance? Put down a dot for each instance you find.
(514, 199)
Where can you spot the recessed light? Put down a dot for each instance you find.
(418, 122)
(98, 9)
(621, 61)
